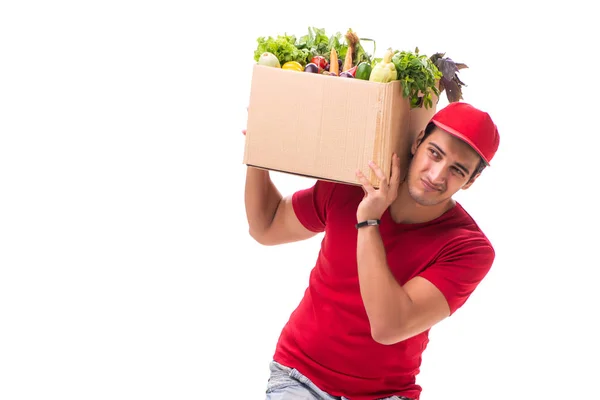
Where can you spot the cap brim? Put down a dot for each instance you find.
(465, 139)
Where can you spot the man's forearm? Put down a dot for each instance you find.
(261, 198)
(386, 302)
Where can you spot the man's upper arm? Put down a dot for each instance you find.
(286, 227)
(442, 288)
(300, 216)
(429, 306)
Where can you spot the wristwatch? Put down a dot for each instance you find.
(369, 222)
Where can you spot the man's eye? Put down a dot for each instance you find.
(458, 171)
(434, 153)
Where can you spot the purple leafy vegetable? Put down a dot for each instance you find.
(450, 82)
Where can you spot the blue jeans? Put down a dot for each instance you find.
(288, 384)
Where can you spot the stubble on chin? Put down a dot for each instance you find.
(420, 197)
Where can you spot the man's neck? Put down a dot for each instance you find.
(405, 210)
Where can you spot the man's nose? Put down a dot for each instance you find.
(438, 173)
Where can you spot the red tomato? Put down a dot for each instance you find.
(320, 61)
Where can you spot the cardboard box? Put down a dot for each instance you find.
(325, 127)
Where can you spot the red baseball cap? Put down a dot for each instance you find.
(471, 125)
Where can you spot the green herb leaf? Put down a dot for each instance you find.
(418, 75)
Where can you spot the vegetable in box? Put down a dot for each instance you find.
(340, 55)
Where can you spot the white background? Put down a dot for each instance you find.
(126, 270)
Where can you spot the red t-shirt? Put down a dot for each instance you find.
(328, 337)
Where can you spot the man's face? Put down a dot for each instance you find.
(441, 166)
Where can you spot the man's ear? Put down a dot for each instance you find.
(417, 142)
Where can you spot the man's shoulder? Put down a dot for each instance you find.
(467, 233)
(337, 185)
(468, 222)
(323, 197)
(339, 191)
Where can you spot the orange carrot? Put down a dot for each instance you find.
(352, 40)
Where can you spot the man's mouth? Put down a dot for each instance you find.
(430, 186)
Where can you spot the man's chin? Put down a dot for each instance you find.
(427, 202)
(425, 199)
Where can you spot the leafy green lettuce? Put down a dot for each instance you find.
(283, 47)
(315, 43)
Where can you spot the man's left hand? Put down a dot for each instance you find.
(376, 201)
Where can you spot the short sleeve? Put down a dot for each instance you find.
(460, 269)
(311, 204)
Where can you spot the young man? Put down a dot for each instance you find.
(394, 261)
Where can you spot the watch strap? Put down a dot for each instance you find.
(369, 222)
